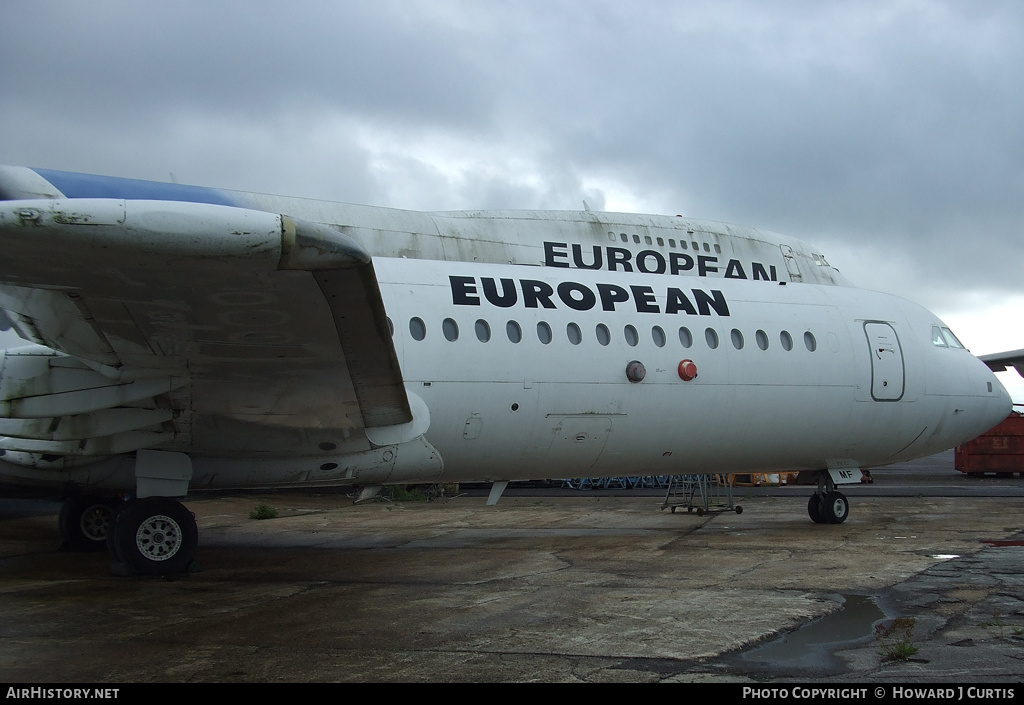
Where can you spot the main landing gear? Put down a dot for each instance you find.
(148, 536)
(84, 521)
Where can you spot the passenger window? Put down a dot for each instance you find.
(611, 236)
(658, 335)
(737, 339)
(514, 332)
(483, 331)
(544, 332)
(573, 333)
(762, 339)
(603, 335)
(636, 239)
(450, 329)
(711, 336)
(632, 338)
(787, 340)
(707, 247)
(661, 242)
(685, 337)
(417, 329)
(647, 239)
(624, 237)
(718, 249)
(672, 243)
(809, 342)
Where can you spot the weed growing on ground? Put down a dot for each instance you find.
(997, 622)
(895, 639)
(402, 493)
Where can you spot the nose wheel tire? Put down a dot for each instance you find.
(155, 536)
(837, 507)
(814, 509)
(828, 508)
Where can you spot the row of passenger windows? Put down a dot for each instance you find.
(574, 334)
(661, 242)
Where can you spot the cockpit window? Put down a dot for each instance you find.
(951, 339)
(943, 338)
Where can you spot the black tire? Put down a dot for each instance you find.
(814, 509)
(113, 548)
(836, 508)
(85, 521)
(156, 536)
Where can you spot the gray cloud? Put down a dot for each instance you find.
(887, 131)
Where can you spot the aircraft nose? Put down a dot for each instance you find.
(997, 404)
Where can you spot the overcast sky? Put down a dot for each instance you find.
(890, 134)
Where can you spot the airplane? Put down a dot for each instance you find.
(182, 338)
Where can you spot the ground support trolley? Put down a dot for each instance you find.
(705, 494)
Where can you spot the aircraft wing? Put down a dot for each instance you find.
(265, 327)
(997, 362)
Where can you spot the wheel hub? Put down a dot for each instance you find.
(96, 522)
(158, 538)
(839, 508)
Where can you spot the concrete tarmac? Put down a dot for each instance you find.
(580, 588)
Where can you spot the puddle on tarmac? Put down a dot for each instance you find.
(808, 647)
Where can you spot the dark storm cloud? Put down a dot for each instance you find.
(246, 59)
(886, 131)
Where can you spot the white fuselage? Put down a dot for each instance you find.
(793, 381)
(519, 338)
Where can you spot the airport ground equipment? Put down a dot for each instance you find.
(705, 494)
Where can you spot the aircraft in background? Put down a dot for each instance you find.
(186, 338)
(999, 362)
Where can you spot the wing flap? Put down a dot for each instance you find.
(274, 322)
(359, 317)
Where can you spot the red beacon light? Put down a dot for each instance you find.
(687, 370)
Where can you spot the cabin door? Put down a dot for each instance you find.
(887, 371)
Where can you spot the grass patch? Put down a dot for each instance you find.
(263, 511)
(403, 493)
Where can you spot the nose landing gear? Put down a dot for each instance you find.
(828, 505)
